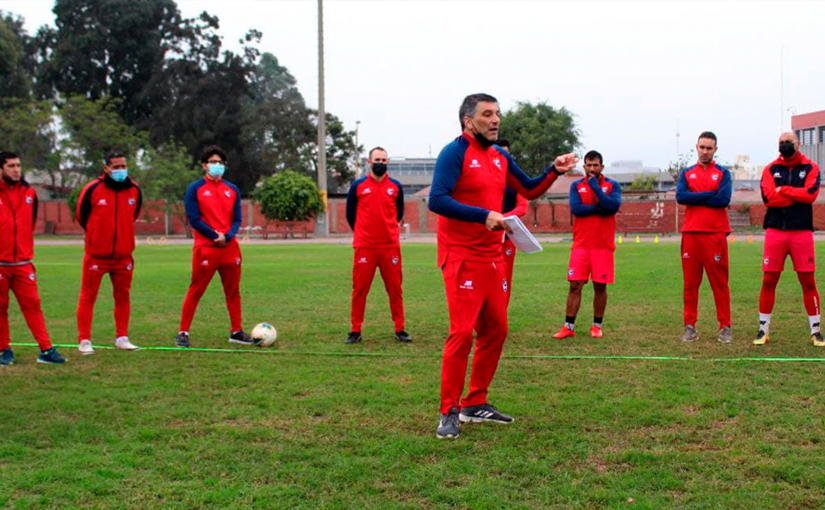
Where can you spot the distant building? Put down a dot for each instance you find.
(743, 170)
(810, 128)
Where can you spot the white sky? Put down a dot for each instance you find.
(628, 70)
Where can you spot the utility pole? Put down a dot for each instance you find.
(321, 223)
(357, 152)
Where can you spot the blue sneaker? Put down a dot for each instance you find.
(6, 358)
(51, 357)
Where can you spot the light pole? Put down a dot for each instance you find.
(321, 223)
(357, 151)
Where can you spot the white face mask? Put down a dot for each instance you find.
(215, 170)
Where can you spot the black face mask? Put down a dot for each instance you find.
(787, 149)
(379, 169)
(484, 141)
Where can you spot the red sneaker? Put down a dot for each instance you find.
(565, 332)
(596, 332)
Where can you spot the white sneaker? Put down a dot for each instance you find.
(123, 342)
(85, 347)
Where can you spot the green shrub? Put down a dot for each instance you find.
(289, 196)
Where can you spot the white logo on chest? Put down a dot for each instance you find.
(102, 201)
(474, 164)
(691, 176)
(207, 193)
(367, 191)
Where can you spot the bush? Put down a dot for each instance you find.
(289, 196)
(73, 198)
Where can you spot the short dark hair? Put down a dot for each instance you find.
(503, 142)
(594, 155)
(210, 151)
(112, 155)
(468, 106)
(709, 135)
(7, 155)
(376, 148)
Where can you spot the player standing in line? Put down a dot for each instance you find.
(514, 205)
(594, 202)
(789, 186)
(467, 194)
(375, 207)
(705, 190)
(107, 209)
(213, 207)
(18, 214)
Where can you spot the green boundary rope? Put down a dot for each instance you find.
(401, 355)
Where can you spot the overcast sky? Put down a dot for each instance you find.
(629, 71)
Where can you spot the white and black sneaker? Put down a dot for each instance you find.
(484, 412)
(241, 338)
(448, 427)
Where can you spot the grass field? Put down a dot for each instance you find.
(290, 427)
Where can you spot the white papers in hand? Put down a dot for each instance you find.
(522, 237)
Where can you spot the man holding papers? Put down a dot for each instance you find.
(594, 202)
(467, 194)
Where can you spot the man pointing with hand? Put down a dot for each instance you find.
(467, 193)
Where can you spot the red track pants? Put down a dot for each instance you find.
(22, 281)
(205, 261)
(509, 251)
(364, 263)
(477, 300)
(120, 273)
(708, 252)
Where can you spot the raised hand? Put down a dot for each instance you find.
(566, 162)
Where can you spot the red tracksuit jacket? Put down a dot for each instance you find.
(594, 225)
(18, 214)
(212, 207)
(706, 194)
(107, 211)
(790, 208)
(374, 210)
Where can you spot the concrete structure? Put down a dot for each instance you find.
(810, 128)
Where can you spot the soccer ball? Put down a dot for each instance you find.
(264, 334)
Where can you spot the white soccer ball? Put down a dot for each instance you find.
(264, 334)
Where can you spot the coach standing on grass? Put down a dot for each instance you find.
(213, 208)
(107, 210)
(18, 214)
(467, 193)
(375, 207)
(705, 190)
(789, 186)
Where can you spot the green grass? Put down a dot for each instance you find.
(278, 429)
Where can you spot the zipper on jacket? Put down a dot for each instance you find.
(114, 237)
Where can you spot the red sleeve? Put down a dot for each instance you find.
(769, 194)
(532, 194)
(806, 194)
(522, 205)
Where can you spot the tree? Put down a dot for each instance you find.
(289, 196)
(164, 174)
(15, 77)
(538, 133)
(341, 152)
(675, 168)
(643, 183)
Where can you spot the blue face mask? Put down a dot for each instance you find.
(120, 175)
(216, 170)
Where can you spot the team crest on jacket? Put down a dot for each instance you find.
(390, 191)
(131, 201)
(497, 162)
(395, 261)
(504, 285)
(29, 199)
(509, 252)
(238, 261)
(766, 261)
(31, 276)
(227, 193)
(129, 267)
(802, 174)
(717, 258)
(715, 177)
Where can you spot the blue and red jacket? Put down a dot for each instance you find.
(18, 214)
(791, 207)
(594, 204)
(107, 210)
(705, 191)
(212, 207)
(374, 210)
(468, 183)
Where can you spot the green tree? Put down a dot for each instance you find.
(164, 174)
(289, 196)
(538, 133)
(15, 77)
(643, 183)
(341, 152)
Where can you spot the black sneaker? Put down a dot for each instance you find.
(239, 337)
(7, 358)
(182, 340)
(51, 357)
(448, 427)
(403, 336)
(353, 337)
(484, 412)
